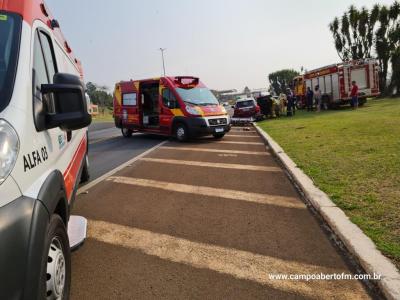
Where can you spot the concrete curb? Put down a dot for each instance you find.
(359, 245)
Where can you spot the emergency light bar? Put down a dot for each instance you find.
(180, 79)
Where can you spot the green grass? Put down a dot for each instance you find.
(353, 156)
(103, 117)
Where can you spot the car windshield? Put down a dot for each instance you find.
(10, 29)
(197, 96)
(247, 103)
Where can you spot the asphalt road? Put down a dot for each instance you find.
(108, 148)
(101, 125)
(201, 220)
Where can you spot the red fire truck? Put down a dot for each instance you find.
(179, 106)
(335, 82)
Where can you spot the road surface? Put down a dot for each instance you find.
(202, 220)
(108, 148)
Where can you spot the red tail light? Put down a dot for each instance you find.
(257, 108)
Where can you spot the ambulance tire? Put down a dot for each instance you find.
(127, 133)
(219, 135)
(181, 132)
(56, 268)
(85, 176)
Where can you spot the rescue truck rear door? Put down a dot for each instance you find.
(130, 105)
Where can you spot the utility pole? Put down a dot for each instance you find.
(162, 56)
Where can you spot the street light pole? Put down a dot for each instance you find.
(162, 56)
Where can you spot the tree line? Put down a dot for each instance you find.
(363, 33)
(100, 96)
(281, 80)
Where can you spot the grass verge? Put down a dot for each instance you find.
(354, 157)
(105, 116)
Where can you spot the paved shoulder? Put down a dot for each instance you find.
(207, 219)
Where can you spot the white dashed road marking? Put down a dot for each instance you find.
(261, 153)
(212, 164)
(238, 263)
(275, 200)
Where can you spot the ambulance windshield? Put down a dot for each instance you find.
(10, 30)
(197, 96)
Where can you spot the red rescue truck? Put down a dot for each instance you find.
(335, 82)
(180, 106)
(43, 157)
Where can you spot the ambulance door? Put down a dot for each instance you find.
(169, 108)
(130, 111)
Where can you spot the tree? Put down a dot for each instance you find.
(99, 95)
(395, 83)
(353, 33)
(90, 88)
(281, 80)
(362, 34)
(383, 45)
(394, 46)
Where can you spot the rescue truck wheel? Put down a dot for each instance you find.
(181, 132)
(126, 132)
(56, 272)
(219, 135)
(85, 176)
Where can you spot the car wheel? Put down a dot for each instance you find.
(56, 270)
(219, 135)
(85, 176)
(181, 132)
(126, 132)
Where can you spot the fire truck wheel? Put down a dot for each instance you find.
(362, 102)
(56, 272)
(181, 132)
(219, 135)
(85, 176)
(126, 132)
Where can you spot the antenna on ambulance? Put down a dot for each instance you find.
(162, 56)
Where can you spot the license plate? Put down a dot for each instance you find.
(218, 130)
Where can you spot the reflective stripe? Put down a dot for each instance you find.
(71, 173)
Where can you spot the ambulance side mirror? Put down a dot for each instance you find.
(70, 105)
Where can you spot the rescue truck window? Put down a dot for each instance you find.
(39, 69)
(169, 99)
(129, 99)
(44, 67)
(10, 31)
(48, 55)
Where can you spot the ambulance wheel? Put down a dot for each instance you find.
(56, 269)
(85, 176)
(219, 135)
(181, 132)
(126, 132)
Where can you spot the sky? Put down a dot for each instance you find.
(227, 43)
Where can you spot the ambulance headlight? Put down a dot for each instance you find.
(192, 110)
(9, 147)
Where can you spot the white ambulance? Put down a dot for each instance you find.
(43, 151)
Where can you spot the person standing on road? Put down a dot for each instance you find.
(354, 95)
(317, 97)
(309, 99)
